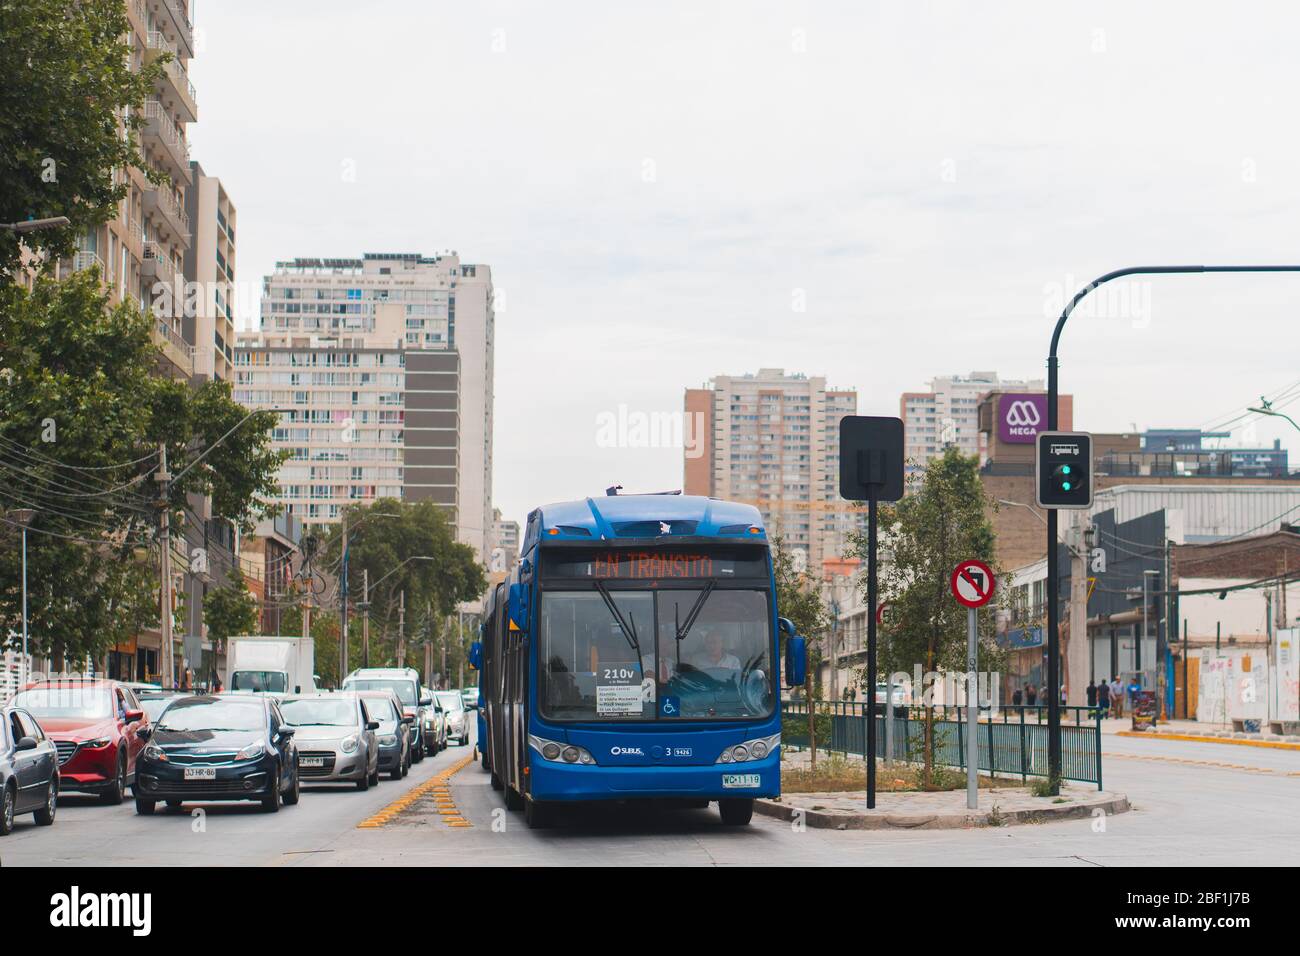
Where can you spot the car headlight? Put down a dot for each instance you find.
(349, 744)
(154, 752)
(388, 740)
(755, 749)
(560, 753)
(96, 744)
(252, 751)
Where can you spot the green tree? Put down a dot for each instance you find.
(406, 547)
(83, 412)
(940, 522)
(799, 599)
(66, 88)
(230, 609)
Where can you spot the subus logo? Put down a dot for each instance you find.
(75, 908)
(626, 751)
(1023, 414)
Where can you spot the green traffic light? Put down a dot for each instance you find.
(1065, 469)
(1065, 485)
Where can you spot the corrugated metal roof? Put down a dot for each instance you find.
(1208, 512)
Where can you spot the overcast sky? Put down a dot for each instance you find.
(877, 193)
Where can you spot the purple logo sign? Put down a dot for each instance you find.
(1021, 417)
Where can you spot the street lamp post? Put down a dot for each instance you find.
(23, 517)
(1053, 569)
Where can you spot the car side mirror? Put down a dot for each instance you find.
(287, 731)
(134, 716)
(372, 725)
(426, 701)
(26, 743)
(476, 656)
(144, 732)
(408, 720)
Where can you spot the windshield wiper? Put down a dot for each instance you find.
(627, 627)
(684, 629)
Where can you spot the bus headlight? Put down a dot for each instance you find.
(755, 749)
(560, 752)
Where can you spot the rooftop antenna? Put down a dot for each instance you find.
(613, 490)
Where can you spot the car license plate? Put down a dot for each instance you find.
(200, 773)
(311, 761)
(740, 781)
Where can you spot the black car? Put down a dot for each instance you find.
(227, 747)
(29, 770)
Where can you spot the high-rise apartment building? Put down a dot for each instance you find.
(505, 555)
(209, 321)
(141, 251)
(947, 414)
(772, 440)
(386, 366)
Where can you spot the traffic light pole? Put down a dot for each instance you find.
(1053, 569)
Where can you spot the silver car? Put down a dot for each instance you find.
(336, 738)
(457, 717)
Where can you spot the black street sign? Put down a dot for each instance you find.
(871, 453)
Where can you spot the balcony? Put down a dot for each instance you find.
(172, 17)
(156, 264)
(161, 131)
(83, 259)
(177, 351)
(174, 84)
(165, 212)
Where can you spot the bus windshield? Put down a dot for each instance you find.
(698, 653)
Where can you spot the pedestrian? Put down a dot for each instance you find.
(1092, 692)
(1116, 697)
(1103, 698)
(217, 686)
(1017, 696)
(1031, 695)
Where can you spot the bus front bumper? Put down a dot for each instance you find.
(555, 780)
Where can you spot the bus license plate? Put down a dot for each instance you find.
(200, 773)
(739, 781)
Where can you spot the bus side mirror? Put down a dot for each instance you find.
(796, 654)
(518, 607)
(476, 656)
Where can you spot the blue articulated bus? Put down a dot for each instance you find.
(632, 654)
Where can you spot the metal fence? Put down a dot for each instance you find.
(1012, 742)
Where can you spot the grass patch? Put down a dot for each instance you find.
(835, 773)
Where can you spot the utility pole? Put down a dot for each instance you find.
(401, 628)
(460, 645)
(442, 675)
(1076, 651)
(164, 479)
(428, 646)
(365, 617)
(343, 605)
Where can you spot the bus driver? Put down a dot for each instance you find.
(715, 661)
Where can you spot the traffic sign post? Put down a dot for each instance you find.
(972, 586)
(871, 470)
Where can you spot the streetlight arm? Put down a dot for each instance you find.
(1276, 414)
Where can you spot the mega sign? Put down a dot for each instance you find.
(1021, 417)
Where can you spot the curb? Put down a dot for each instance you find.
(1109, 805)
(434, 784)
(1200, 739)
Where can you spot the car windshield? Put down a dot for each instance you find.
(154, 706)
(380, 709)
(259, 681)
(405, 689)
(451, 700)
(318, 712)
(630, 654)
(199, 713)
(87, 703)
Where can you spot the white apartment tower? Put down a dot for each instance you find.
(948, 414)
(772, 439)
(386, 365)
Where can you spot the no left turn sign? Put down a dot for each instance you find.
(973, 583)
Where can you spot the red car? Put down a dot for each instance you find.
(95, 727)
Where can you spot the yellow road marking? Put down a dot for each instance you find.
(1222, 765)
(1273, 744)
(437, 786)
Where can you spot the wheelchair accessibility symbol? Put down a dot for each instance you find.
(670, 707)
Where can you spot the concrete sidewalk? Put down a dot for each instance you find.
(1201, 732)
(943, 810)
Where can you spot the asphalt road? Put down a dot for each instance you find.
(1204, 804)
